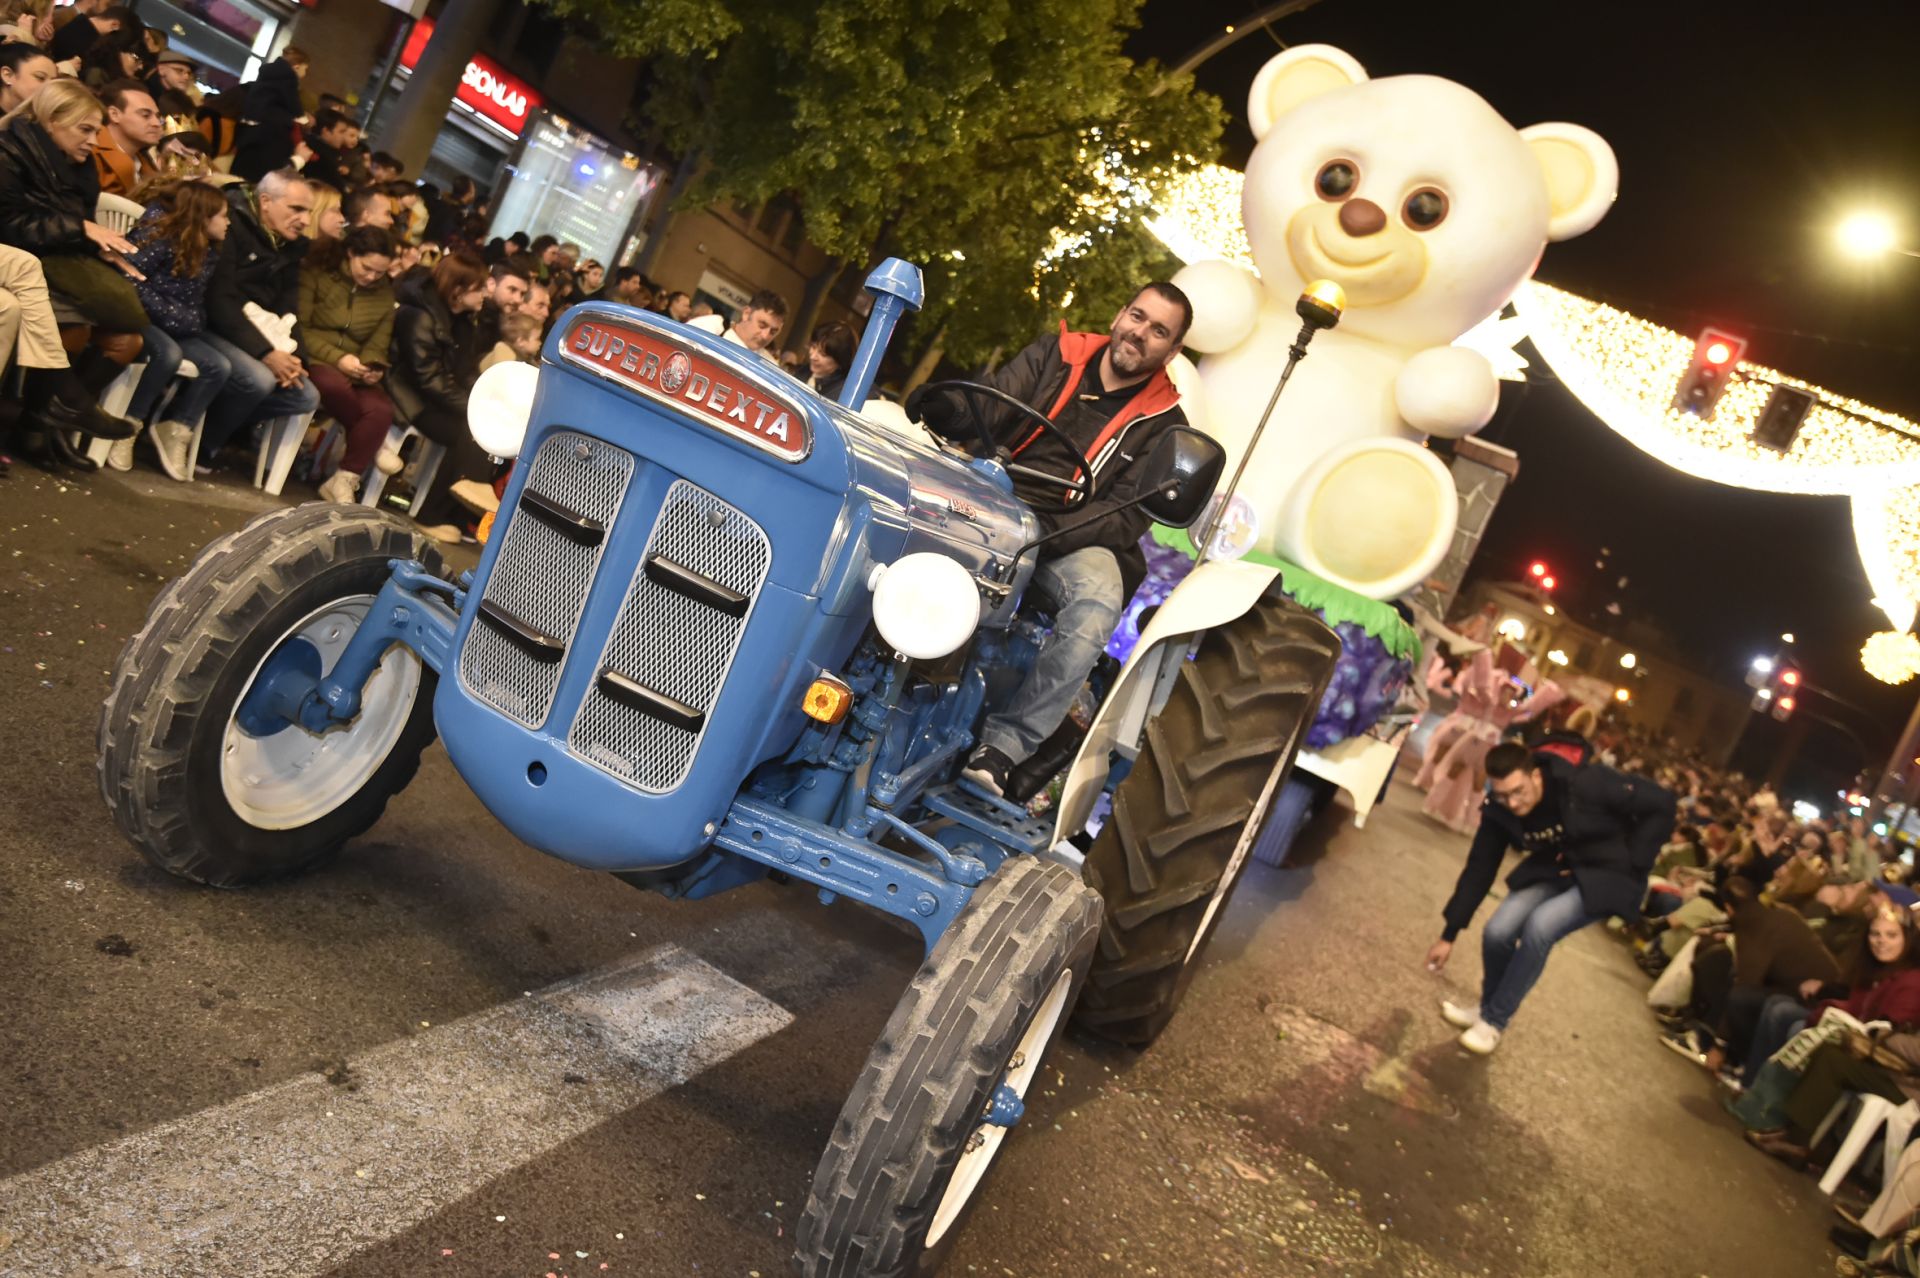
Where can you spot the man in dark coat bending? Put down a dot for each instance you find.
(1590, 835)
(1110, 394)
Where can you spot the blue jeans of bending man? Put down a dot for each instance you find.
(1084, 588)
(252, 395)
(1514, 946)
(164, 353)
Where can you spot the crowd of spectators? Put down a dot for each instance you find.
(266, 263)
(1787, 967)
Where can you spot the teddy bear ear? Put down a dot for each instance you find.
(1582, 176)
(1290, 78)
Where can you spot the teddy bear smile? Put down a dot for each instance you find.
(1321, 248)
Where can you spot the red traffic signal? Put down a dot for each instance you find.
(1539, 569)
(1782, 707)
(1790, 677)
(1715, 354)
(1548, 583)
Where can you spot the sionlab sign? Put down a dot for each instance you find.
(486, 86)
(677, 374)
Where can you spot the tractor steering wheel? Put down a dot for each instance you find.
(1079, 485)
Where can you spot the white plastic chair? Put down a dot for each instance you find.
(431, 454)
(117, 396)
(279, 444)
(117, 213)
(1875, 1111)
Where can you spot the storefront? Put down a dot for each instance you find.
(490, 113)
(572, 185)
(228, 39)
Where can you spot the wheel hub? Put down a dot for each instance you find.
(277, 775)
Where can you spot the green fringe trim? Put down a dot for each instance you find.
(1335, 604)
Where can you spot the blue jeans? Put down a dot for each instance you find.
(1529, 923)
(1781, 1017)
(251, 395)
(1084, 587)
(164, 353)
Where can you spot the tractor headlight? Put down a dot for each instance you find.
(925, 605)
(1239, 527)
(500, 405)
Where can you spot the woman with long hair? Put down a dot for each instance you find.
(48, 190)
(346, 317)
(179, 244)
(436, 356)
(119, 55)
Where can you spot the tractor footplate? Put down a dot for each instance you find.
(999, 820)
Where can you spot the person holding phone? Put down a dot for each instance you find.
(346, 312)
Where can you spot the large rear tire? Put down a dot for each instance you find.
(198, 795)
(912, 1146)
(1184, 818)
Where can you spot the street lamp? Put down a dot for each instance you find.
(1628, 661)
(1869, 234)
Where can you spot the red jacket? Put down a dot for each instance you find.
(1894, 998)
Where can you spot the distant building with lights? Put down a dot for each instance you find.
(1634, 673)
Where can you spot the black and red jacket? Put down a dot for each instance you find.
(1046, 374)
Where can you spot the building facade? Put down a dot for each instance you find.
(1645, 684)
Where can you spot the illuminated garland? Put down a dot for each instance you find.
(1891, 656)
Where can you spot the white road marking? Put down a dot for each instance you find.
(291, 1181)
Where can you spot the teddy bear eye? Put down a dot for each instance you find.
(1425, 209)
(1336, 179)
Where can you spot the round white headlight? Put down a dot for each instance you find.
(500, 405)
(1238, 529)
(925, 605)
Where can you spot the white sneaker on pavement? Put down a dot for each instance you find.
(171, 440)
(120, 456)
(1458, 1016)
(475, 496)
(1480, 1038)
(341, 487)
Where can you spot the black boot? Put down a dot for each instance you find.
(61, 399)
(70, 456)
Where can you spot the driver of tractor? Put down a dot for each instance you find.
(1110, 394)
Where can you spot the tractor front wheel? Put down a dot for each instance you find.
(949, 1077)
(201, 793)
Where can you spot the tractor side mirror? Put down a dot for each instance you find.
(1179, 475)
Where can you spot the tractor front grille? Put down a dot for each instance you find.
(552, 545)
(667, 656)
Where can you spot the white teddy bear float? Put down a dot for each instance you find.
(1430, 210)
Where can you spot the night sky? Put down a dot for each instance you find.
(1741, 131)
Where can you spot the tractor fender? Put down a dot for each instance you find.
(1213, 594)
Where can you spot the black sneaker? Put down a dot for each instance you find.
(989, 769)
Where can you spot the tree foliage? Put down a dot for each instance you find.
(1010, 147)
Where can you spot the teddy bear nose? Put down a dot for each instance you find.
(1361, 217)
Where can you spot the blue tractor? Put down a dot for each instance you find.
(725, 629)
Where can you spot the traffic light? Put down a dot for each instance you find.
(1715, 355)
(1780, 419)
(1787, 681)
(1538, 569)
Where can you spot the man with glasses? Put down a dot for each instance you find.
(1588, 834)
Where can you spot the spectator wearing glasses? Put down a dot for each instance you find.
(1588, 834)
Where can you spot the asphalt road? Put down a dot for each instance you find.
(1306, 1114)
